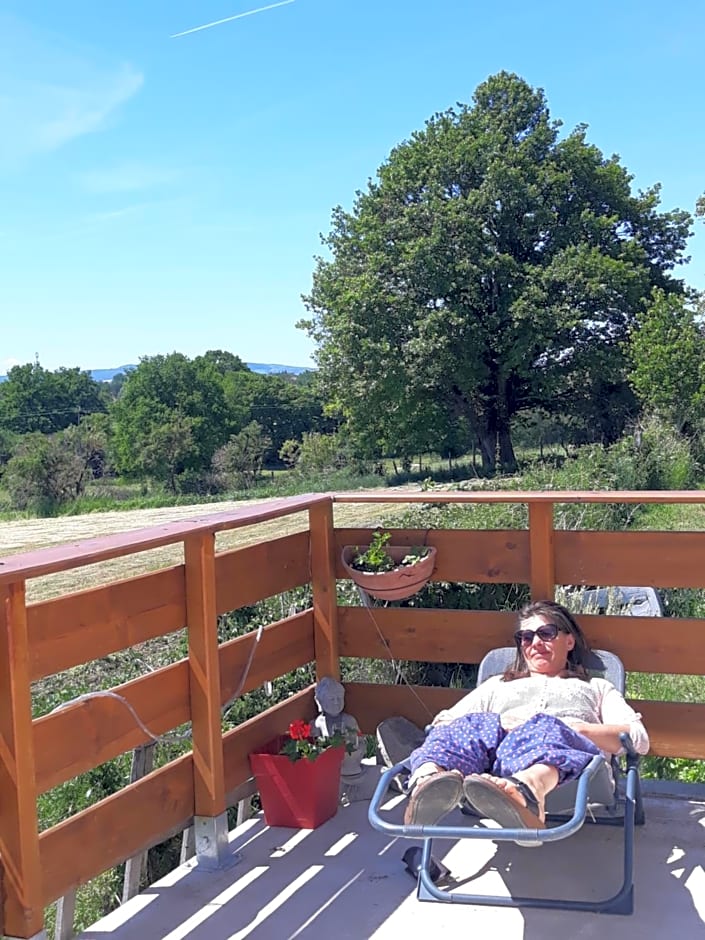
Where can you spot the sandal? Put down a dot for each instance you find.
(433, 797)
(492, 802)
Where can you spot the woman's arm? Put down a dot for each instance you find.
(616, 717)
(606, 737)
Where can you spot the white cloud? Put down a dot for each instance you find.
(52, 93)
(7, 364)
(126, 178)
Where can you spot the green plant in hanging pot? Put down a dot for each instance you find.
(389, 572)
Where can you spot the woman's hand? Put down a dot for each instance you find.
(510, 722)
(606, 737)
(442, 718)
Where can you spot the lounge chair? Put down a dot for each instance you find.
(601, 795)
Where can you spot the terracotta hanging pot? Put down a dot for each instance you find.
(396, 584)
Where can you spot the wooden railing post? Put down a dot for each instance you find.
(23, 910)
(542, 549)
(325, 601)
(210, 816)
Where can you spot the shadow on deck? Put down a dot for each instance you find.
(345, 880)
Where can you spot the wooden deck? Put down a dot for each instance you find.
(345, 880)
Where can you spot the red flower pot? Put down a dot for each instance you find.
(396, 584)
(300, 794)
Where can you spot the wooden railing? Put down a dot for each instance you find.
(48, 637)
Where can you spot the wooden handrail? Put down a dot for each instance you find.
(43, 561)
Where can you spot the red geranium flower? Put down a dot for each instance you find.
(302, 743)
(299, 730)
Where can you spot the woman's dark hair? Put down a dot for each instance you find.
(577, 657)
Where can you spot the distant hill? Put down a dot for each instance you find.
(264, 368)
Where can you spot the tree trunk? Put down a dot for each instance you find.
(488, 451)
(484, 426)
(507, 457)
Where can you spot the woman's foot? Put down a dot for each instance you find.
(509, 801)
(433, 797)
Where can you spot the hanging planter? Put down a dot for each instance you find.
(299, 793)
(389, 572)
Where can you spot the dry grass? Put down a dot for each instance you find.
(29, 534)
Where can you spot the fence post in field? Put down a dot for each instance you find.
(23, 902)
(210, 819)
(142, 764)
(325, 601)
(542, 551)
(188, 845)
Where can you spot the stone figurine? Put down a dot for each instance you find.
(331, 719)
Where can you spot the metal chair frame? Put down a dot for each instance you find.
(626, 810)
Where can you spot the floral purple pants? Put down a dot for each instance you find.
(477, 743)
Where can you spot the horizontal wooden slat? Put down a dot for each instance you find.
(239, 743)
(493, 556)
(371, 703)
(247, 575)
(650, 644)
(284, 646)
(422, 635)
(119, 827)
(644, 644)
(651, 559)
(70, 741)
(78, 628)
(675, 729)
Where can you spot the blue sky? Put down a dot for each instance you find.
(166, 194)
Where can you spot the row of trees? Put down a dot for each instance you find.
(199, 425)
(493, 269)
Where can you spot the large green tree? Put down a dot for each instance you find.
(170, 418)
(283, 408)
(491, 266)
(49, 469)
(36, 399)
(667, 349)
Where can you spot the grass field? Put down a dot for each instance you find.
(24, 535)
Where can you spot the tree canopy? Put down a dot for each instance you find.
(490, 267)
(35, 399)
(667, 349)
(170, 417)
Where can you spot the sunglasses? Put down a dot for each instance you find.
(549, 631)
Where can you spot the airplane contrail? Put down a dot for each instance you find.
(229, 19)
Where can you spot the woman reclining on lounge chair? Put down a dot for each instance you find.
(517, 736)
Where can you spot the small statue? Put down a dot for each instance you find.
(330, 699)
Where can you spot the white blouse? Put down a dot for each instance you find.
(596, 701)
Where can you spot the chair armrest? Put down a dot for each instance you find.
(631, 754)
